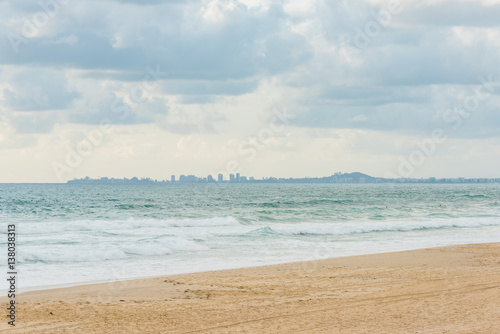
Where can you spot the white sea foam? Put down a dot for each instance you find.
(63, 253)
(79, 243)
(123, 225)
(99, 251)
(226, 253)
(163, 247)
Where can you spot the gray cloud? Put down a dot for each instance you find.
(209, 87)
(371, 96)
(109, 107)
(150, 2)
(37, 90)
(31, 123)
(182, 121)
(398, 82)
(235, 50)
(451, 13)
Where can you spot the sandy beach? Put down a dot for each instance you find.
(452, 289)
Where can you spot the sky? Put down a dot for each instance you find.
(292, 88)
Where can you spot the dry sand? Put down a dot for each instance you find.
(441, 290)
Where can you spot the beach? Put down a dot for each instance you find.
(453, 289)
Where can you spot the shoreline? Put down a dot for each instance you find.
(452, 288)
(105, 281)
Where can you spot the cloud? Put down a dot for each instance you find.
(185, 120)
(418, 64)
(209, 87)
(149, 2)
(37, 90)
(108, 107)
(32, 123)
(179, 39)
(451, 13)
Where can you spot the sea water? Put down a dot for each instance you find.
(73, 234)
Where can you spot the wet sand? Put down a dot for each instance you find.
(452, 289)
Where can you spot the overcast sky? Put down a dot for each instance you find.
(263, 87)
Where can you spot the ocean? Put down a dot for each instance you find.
(75, 234)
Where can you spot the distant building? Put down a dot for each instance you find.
(355, 177)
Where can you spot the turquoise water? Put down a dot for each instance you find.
(82, 233)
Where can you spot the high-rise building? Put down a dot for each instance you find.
(231, 177)
(172, 178)
(210, 178)
(237, 177)
(220, 178)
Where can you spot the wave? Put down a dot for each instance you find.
(125, 206)
(98, 241)
(353, 228)
(70, 253)
(279, 204)
(475, 196)
(326, 201)
(377, 227)
(162, 246)
(440, 214)
(111, 226)
(261, 232)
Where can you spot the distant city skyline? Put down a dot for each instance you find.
(338, 177)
